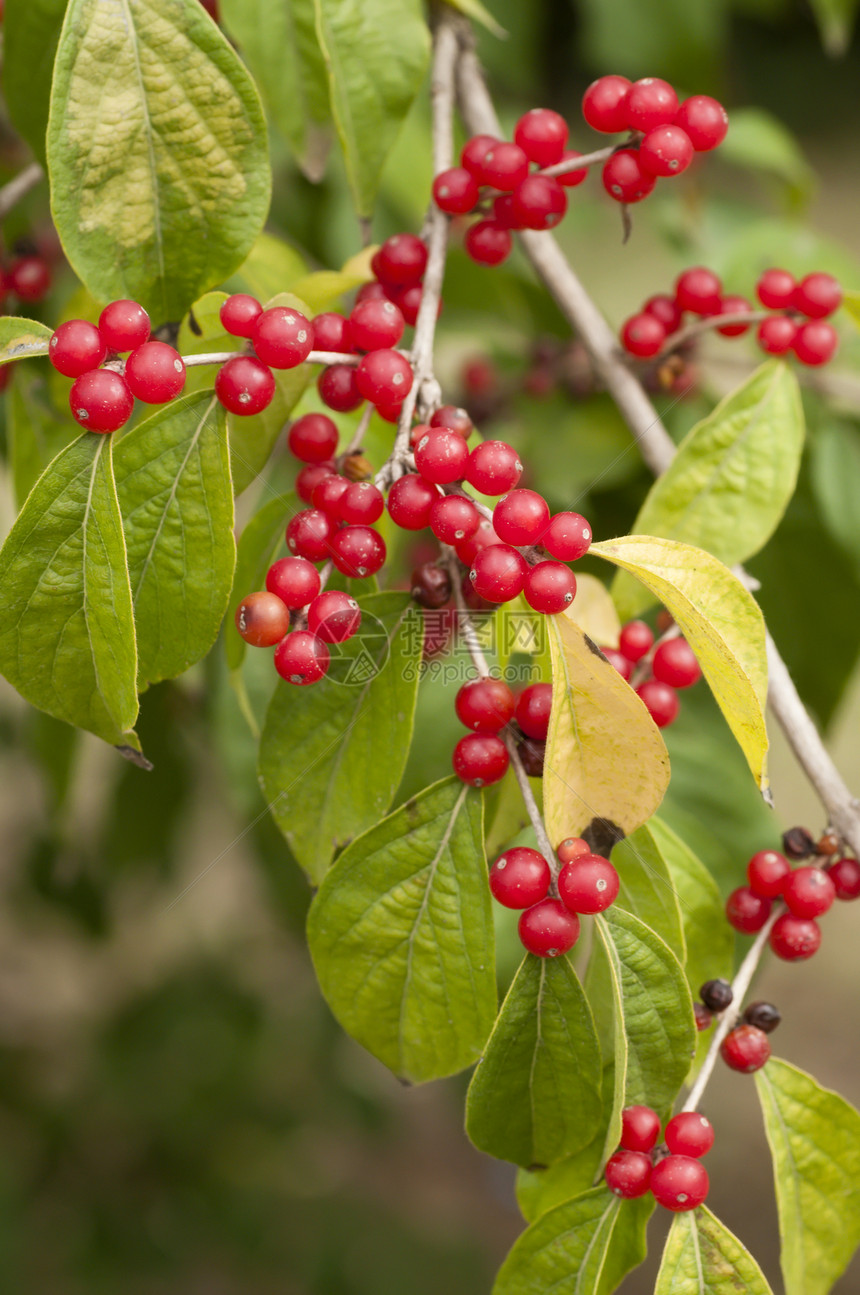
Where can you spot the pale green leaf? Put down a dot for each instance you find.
(835, 20)
(540, 1190)
(31, 32)
(835, 473)
(20, 338)
(157, 152)
(647, 890)
(759, 142)
(702, 1257)
(401, 935)
(480, 13)
(35, 432)
(271, 266)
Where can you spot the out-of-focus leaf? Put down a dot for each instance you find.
(759, 142)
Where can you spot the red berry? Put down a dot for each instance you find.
(493, 468)
(401, 260)
(679, 1183)
(283, 338)
(473, 153)
(705, 121)
(776, 335)
(674, 662)
(361, 504)
(358, 551)
(628, 1174)
(542, 135)
(733, 305)
(485, 705)
(29, 278)
(487, 243)
(309, 533)
(775, 289)
(480, 759)
(660, 701)
(155, 373)
(453, 519)
(635, 640)
(124, 325)
(604, 104)
(815, 343)
(845, 875)
(548, 929)
(666, 309)
(410, 500)
(570, 179)
(334, 616)
(539, 202)
(328, 492)
(809, 892)
(795, 938)
(640, 1128)
(504, 166)
(689, 1134)
(504, 214)
(520, 878)
(76, 347)
(441, 456)
(817, 295)
(643, 336)
(301, 658)
(384, 377)
(453, 417)
(572, 847)
(295, 581)
(699, 290)
(313, 438)
(498, 573)
(767, 872)
(619, 661)
(244, 385)
(409, 301)
(567, 536)
(746, 911)
(101, 401)
(239, 314)
(745, 1048)
(376, 324)
(262, 619)
(624, 177)
(704, 1018)
(532, 710)
(589, 884)
(338, 388)
(650, 103)
(373, 291)
(307, 479)
(550, 587)
(455, 191)
(666, 151)
(521, 517)
(482, 538)
(331, 332)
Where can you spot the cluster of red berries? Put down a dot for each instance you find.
(487, 706)
(746, 1046)
(798, 324)
(27, 277)
(806, 893)
(549, 924)
(674, 1172)
(656, 669)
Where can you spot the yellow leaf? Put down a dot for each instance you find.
(851, 302)
(594, 611)
(606, 763)
(721, 621)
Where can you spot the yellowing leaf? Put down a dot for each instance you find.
(721, 621)
(851, 302)
(594, 611)
(606, 763)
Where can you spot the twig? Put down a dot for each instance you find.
(315, 357)
(15, 189)
(580, 163)
(706, 325)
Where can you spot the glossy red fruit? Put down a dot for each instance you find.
(29, 278)
(572, 847)
(455, 418)
(640, 1128)
(358, 551)
(643, 336)
(155, 373)
(809, 892)
(619, 661)
(549, 587)
(576, 175)
(485, 705)
(361, 504)
(410, 500)
(660, 700)
(745, 1048)
(816, 342)
(532, 710)
(689, 1134)
(679, 1183)
(775, 289)
(539, 202)
(776, 335)
(310, 475)
(473, 153)
(456, 191)
(589, 884)
(521, 517)
(567, 537)
(338, 388)
(295, 581)
(666, 309)
(746, 911)
(493, 468)
(262, 619)
(482, 538)
(503, 213)
(520, 877)
(734, 305)
(376, 324)
(245, 385)
(795, 938)
(666, 151)
(384, 377)
(334, 616)
(441, 456)
(301, 658)
(487, 243)
(498, 573)
(76, 347)
(767, 873)
(124, 325)
(845, 875)
(628, 1174)
(674, 662)
(453, 519)
(817, 295)
(704, 120)
(699, 290)
(331, 332)
(239, 314)
(650, 102)
(313, 438)
(542, 135)
(101, 401)
(624, 178)
(548, 929)
(401, 260)
(635, 640)
(604, 104)
(309, 534)
(283, 338)
(480, 759)
(504, 166)
(328, 492)
(374, 291)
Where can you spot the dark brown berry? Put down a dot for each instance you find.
(431, 585)
(532, 755)
(717, 995)
(797, 843)
(829, 844)
(356, 467)
(764, 1016)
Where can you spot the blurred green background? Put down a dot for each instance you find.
(178, 1111)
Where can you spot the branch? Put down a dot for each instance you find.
(694, 330)
(15, 190)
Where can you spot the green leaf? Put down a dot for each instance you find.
(702, 1257)
(835, 474)
(535, 1094)
(255, 553)
(173, 481)
(323, 289)
(272, 266)
(731, 479)
(480, 13)
(583, 1247)
(66, 629)
(540, 1190)
(606, 762)
(401, 935)
(31, 33)
(157, 152)
(814, 1138)
(278, 41)
(835, 20)
(20, 338)
(647, 890)
(376, 53)
(35, 432)
(655, 1035)
(332, 756)
(721, 621)
(759, 142)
